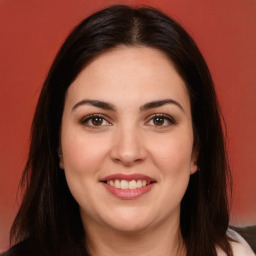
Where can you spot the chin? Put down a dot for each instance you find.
(129, 221)
(129, 228)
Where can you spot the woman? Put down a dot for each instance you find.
(127, 154)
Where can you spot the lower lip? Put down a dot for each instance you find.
(128, 193)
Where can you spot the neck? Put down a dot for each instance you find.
(163, 240)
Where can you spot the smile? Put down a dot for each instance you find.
(125, 184)
(128, 186)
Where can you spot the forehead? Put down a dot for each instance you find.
(130, 74)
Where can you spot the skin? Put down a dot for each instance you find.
(127, 141)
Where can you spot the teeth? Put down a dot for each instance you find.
(124, 184)
(117, 184)
(139, 183)
(132, 184)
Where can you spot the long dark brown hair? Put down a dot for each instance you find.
(48, 219)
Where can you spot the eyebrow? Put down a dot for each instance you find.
(159, 103)
(95, 103)
(109, 106)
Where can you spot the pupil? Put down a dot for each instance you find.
(97, 121)
(159, 121)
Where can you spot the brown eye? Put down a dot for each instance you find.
(159, 121)
(94, 121)
(97, 121)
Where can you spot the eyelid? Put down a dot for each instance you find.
(85, 119)
(169, 118)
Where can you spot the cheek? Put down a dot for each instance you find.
(173, 154)
(83, 157)
(83, 154)
(172, 157)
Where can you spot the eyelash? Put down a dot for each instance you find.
(85, 121)
(164, 117)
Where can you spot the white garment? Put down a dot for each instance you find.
(240, 247)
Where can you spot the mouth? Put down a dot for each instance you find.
(125, 184)
(128, 186)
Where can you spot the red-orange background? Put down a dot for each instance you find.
(31, 32)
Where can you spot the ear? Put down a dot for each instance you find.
(194, 157)
(60, 155)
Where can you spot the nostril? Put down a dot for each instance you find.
(127, 150)
(127, 161)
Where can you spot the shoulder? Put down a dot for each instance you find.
(13, 251)
(20, 249)
(239, 246)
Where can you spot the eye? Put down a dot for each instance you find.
(161, 120)
(95, 120)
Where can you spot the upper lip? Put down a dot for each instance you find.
(128, 177)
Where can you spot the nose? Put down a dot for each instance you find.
(128, 147)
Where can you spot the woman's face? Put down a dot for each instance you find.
(127, 140)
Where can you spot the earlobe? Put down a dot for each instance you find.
(194, 168)
(61, 164)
